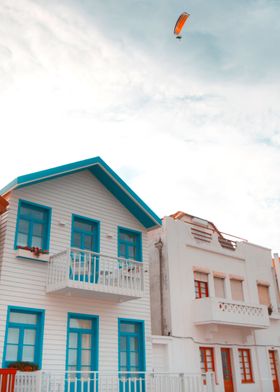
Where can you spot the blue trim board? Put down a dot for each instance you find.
(48, 229)
(39, 328)
(106, 176)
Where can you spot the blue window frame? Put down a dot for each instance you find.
(33, 225)
(132, 354)
(82, 347)
(85, 233)
(85, 237)
(24, 336)
(129, 244)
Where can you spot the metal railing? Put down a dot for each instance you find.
(7, 380)
(113, 382)
(89, 270)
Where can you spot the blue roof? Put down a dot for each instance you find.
(105, 175)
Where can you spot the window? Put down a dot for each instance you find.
(236, 290)
(33, 226)
(263, 292)
(85, 234)
(130, 244)
(201, 285)
(206, 361)
(131, 346)
(24, 336)
(82, 343)
(245, 365)
(219, 284)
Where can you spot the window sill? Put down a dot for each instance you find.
(26, 254)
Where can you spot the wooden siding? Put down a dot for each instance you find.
(23, 281)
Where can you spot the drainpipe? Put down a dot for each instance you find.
(159, 246)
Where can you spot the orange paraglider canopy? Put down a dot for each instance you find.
(180, 23)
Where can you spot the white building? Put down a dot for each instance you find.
(214, 303)
(74, 277)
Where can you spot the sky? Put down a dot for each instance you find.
(190, 124)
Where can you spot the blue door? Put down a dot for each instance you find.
(85, 237)
(131, 356)
(82, 354)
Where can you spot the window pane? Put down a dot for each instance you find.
(84, 225)
(23, 226)
(38, 213)
(123, 343)
(38, 229)
(13, 335)
(77, 240)
(133, 343)
(219, 287)
(29, 336)
(86, 354)
(236, 290)
(72, 357)
(80, 323)
(22, 239)
(88, 242)
(86, 340)
(123, 357)
(37, 242)
(122, 252)
(28, 353)
(131, 252)
(11, 353)
(134, 359)
(73, 340)
(129, 327)
(23, 318)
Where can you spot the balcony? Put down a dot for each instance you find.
(76, 271)
(228, 312)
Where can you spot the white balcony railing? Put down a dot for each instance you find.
(89, 271)
(113, 382)
(224, 311)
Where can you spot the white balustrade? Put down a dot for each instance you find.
(87, 270)
(223, 311)
(113, 382)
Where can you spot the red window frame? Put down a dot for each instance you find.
(245, 365)
(200, 289)
(204, 352)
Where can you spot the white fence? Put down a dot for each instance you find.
(95, 271)
(100, 382)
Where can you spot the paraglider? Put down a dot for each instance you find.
(180, 24)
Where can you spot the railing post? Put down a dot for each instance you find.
(182, 382)
(38, 382)
(210, 383)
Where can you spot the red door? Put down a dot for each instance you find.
(227, 370)
(273, 366)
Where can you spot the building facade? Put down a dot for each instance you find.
(214, 304)
(74, 281)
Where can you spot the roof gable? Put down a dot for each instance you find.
(105, 175)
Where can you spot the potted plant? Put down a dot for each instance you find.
(23, 366)
(270, 309)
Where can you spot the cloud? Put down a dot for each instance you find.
(191, 125)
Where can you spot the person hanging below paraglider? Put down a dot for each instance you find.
(180, 24)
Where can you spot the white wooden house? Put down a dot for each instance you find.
(74, 281)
